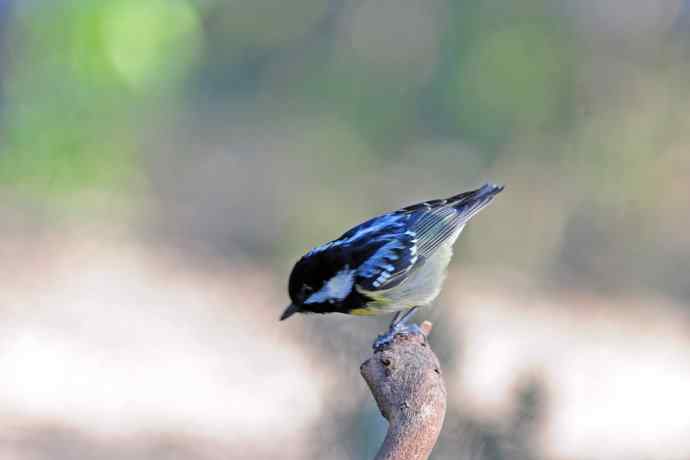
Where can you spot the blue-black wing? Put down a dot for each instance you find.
(383, 250)
(380, 250)
(390, 256)
(418, 232)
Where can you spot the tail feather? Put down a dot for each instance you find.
(483, 192)
(473, 202)
(447, 218)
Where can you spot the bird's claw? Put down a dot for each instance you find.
(385, 340)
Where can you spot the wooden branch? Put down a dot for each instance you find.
(406, 382)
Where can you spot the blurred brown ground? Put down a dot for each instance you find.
(112, 349)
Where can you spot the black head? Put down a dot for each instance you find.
(309, 277)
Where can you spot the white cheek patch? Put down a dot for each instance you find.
(337, 288)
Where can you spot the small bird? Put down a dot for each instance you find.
(393, 263)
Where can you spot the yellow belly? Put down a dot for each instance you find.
(366, 311)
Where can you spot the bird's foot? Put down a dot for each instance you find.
(385, 340)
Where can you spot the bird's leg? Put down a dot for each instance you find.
(404, 318)
(398, 326)
(396, 318)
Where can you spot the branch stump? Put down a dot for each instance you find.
(406, 382)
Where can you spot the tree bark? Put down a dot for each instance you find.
(406, 382)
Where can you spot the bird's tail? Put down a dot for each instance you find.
(470, 203)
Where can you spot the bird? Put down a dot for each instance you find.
(393, 263)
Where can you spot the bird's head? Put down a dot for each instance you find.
(316, 286)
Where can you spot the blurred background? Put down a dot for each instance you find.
(163, 163)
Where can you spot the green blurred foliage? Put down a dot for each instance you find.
(262, 23)
(151, 41)
(325, 113)
(79, 76)
(514, 74)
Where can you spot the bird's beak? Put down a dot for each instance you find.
(289, 311)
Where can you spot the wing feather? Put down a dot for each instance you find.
(385, 249)
(387, 266)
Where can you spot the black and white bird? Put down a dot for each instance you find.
(393, 263)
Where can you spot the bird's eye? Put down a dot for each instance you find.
(307, 289)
